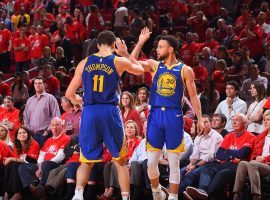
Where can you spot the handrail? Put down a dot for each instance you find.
(10, 79)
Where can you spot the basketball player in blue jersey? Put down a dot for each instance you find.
(101, 121)
(165, 121)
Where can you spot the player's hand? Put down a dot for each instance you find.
(200, 127)
(121, 48)
(145, 35)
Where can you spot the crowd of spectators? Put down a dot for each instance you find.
(227, 44)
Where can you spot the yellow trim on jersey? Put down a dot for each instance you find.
(151, 148)
(123, 151)
(85, 160)
(154, 72)
(182, 74)
(179, 149)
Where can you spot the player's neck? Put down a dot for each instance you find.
(104, 51)
(170, 60)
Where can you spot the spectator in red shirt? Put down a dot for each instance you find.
(35, 10)
(46, 19)
(131, 132)
(4, 87)
(142, 102)
(21, 51)
(210, 41)
(188, 49)
(19, 4)
(5, 152)
(199, 24)
(128, 111)
(5, 46)
(93, 20)
(10, 117)
(38, 42)
(52, 84)
(220, 77)
(50, 157)
(200, 71)
(178, 12)
(257, 167)
(221, 32)
(252, 37)
(241, 21)
(26, 150)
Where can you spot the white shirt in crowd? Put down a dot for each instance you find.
(206, 146)
(239, 106)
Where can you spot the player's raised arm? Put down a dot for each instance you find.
(75, 84)
(148, 65)
(195, 102)
(127, 62)
(144, 36)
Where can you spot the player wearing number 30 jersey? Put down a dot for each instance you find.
(101, 120)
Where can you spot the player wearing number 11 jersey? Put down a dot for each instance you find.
(101, 120)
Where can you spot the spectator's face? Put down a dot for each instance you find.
(142, 95)
(163, 49)
(189, 37)
(216, 123)
(209, 34)
(3, 133)
(47, 71)
(22, 135)
(253, 91)
(125, 100)
(196, 60)
(65, 105)
(230, 91)
(130, 130)
(8, 104)
(39, 30)
(56, 127)
(254, 72)
(207, 125)
(238, 124)
(266, 121)
(229, 30)
(39, 86)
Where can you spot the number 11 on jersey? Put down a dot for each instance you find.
(98, 83)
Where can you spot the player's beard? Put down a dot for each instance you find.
(163, 57)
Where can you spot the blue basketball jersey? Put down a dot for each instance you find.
(100, 80)
(168, 87)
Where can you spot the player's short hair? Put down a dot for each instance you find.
(106, 37)
(172, 41)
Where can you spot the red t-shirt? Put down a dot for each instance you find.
(178, 9)
(20, 55)
(133, 115)
(254, 45)
(201, 74)
(38, 43)
(5, 89)
(22, 3)
(187, 51)
(5, 151)
(32, 152)
(12, 116)
(213, 45)
(53, 145)
(72, 31)
(219, 78)
(52, 84)
(5, 37)
(234, 142)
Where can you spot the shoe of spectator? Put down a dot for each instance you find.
(39, 192)
(163, 195)
(103, 197)
(197, 193)
(78, 195)
(187, 197)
